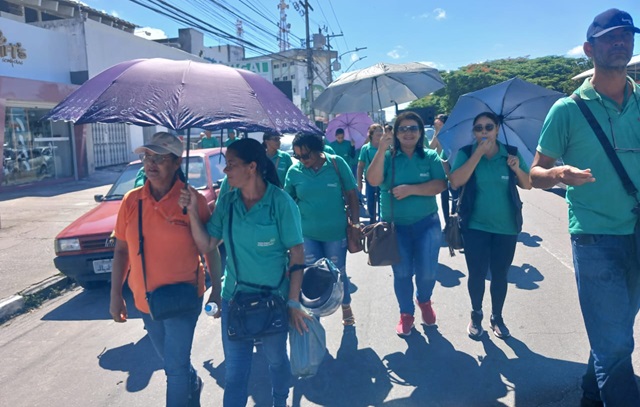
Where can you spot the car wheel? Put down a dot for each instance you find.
(91, 285)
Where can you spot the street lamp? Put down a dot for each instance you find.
(357, 60)
(336, 62)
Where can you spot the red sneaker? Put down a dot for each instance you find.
(405, 325)
(428, 314)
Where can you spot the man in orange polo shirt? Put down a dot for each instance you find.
(171, 256)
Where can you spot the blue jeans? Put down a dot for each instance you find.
(237, 357)
(419, 245)
(172, 339)
(335, 251)
(607, 273)
(373, 196)
(484, 251)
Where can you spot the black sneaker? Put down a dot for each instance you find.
(474, 329)
(499, 328)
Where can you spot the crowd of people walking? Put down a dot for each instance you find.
(276, 216)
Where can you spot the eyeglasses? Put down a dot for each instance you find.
(156, 159)
(615, 145)
(487, 127)
(302, 156)
(406, 129)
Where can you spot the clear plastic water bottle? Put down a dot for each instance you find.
(211, 309)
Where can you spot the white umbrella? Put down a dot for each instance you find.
(378, 86)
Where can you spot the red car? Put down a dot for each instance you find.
(84, 249)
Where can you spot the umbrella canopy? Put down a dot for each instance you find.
(521, 106)
(182, 95)
(378, 86)
(355, 125)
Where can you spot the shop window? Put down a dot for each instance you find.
(34, 150)
(276, 66)
(285, 78)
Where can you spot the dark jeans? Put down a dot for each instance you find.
(608, 277)
(172, 339)
(373, 201)
(484, 251)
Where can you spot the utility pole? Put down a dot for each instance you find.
(329, 36)
(309, 58)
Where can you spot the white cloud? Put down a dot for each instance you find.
(440, 14)
(576, 52)
(398, 52)
(354, 57)
(150, 33)
(115, 14)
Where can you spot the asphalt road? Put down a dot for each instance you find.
(69, 353)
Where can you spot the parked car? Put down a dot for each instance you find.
(84, 249)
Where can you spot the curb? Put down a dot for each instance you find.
(32, 296)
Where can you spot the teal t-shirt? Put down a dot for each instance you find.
(344, 150)
(262, 237)
(493, 210)
(327, 149)
(319, 197)
(229, 141)
(409, 171)
(367, 152)
(282, 161)
(603, 206)
(210, 142)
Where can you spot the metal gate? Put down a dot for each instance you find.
(110, 144)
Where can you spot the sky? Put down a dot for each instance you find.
(446, 34)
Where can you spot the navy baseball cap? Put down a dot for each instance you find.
(608, 21)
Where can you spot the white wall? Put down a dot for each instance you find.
(107, 47)
(47, 55)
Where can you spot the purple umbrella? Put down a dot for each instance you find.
(181, 95)
(355, 126)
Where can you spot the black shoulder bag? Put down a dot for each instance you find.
(172, 300)
(615, 161)
(254, 314)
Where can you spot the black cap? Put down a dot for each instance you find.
(610, 20)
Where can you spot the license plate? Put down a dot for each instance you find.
(102, 266)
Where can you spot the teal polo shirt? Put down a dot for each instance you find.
(409, 171)
(344, 150)
(319, 197)
(229, 141)
(282, 161)
(210, 142)
(367, 152)
(262, 237)
(603, 206)
(493, 210)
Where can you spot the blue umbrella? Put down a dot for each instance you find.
(520, 105)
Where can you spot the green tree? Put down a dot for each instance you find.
(553, 72)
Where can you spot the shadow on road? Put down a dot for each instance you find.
(529, 240)
(525, 277)
(127, 358)
(354, 378)
(448, 277)
(90, 305)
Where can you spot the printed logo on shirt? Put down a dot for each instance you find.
(268, 243)
(505, 177)
(332, 185)
(424, 174)
(178, 222)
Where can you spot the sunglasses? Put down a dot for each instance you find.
(302, 156)
(487, 127)
(406, 129)
(156, 159)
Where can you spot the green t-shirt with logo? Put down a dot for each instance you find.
(282, 161)
(409, 171)
(319, 197)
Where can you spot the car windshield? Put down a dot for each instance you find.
(197, 176)
(124, 183)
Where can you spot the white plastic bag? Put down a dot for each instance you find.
(307, 350)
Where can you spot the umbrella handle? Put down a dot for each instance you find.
(186, 168)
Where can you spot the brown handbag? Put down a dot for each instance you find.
(355, 238)
(381, 242)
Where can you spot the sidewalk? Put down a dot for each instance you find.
(29, 221)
